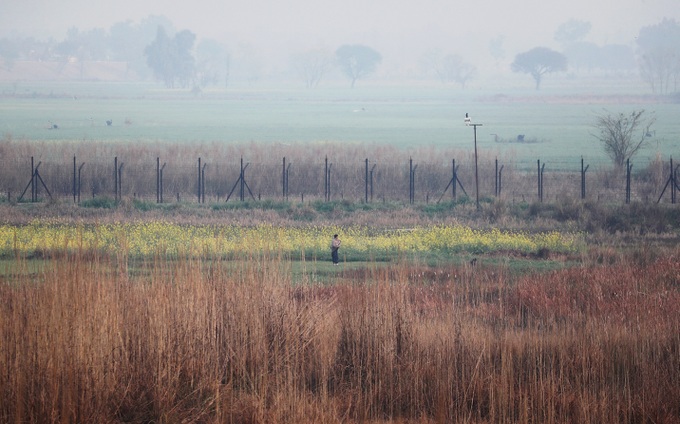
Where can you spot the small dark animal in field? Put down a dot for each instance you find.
(53, 126)
(109, 122)
(473, 262)
(520, 138)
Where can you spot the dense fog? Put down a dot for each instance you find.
(464, 43)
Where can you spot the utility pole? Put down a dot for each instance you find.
(474, 127)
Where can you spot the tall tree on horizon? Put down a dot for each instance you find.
(539, 61)
(357, 61)
(171, 59)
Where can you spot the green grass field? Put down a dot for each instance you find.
(557, 120)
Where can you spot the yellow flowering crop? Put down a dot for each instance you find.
(145, 239)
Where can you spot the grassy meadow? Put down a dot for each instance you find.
(132, 311)
(557, 122)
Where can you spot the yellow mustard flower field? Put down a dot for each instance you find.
(144, 239)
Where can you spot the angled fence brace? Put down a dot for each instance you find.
(243, 184)
(453, 182)
(672, 182)
(35, 176)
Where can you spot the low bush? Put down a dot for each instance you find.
(99, 202)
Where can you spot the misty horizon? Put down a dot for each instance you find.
(401, 31)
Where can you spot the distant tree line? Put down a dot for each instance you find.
(154, 48)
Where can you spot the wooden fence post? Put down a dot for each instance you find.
(629, 166)
(330, 166)
(34, 188)
(115, 178)
(199, 183)
(540, 182)
(366, 182)
(371, 172)
(410, 181)
(120, 180)
(498, 179)
(583, 179)
(74, 179)
(161, 182)
(203, 182)
(283, 180)
(158, 179)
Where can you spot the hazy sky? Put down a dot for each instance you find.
(388, 25)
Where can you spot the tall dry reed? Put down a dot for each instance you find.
(89, 340)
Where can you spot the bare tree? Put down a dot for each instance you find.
(622, 135)
(659, 52)
(312, 65)
(212, 61)
(451, 68)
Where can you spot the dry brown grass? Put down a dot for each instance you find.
(306, 178)
(213, 341)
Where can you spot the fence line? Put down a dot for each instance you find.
(218, 179)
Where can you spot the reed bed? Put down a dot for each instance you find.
(201, 339)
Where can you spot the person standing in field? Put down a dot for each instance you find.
(335, 246)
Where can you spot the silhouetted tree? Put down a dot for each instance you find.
(496, 48)
(572, 31)
(212, 62)
(659, 52)
(453, 69)
(617, 57)
(538, 62)
(312, 65)
(610, 57)
(622, 135)
(357, 61)
(128, 41)
(170, 58)
(9, 52)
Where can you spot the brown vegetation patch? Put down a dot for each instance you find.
(403, 343)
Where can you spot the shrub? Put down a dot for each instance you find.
(99, 203)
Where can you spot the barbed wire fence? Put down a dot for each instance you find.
(407, 180)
